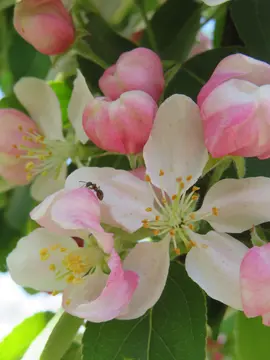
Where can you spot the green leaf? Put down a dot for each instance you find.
(61, 337)
(175, 25)
(19, 207)
(174, 329)
(252, 338)
(253, 25)
(11, 102)
(92, 73)
(103, 41)
(256, 167)
(6, 3)
(74, 352)
(195, 72)
(220, 25)
(16, 343)
(24, 60)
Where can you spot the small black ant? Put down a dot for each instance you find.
(92, 186)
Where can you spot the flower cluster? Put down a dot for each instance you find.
(72, 251)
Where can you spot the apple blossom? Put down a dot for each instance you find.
(35, 147)
(234, 108)
(255, 276)
(138, 69)
(122, 125)
(45, 24)
(175, 156)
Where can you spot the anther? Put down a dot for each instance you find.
(215, 211)
(149, 209)
(145, 221)
(191, 226)
(147, 178)
(182, 185)
(179, 179)
(174, 197)
(204, 246)
(70, 279)
(156, 232)
(63, 249)
(54, 293)
(29, 166)
(52, 267)
(20, 127)
(146, 225)
(177, 251)
(195, 188)
(67, 302)
(164, 201)
(172, 232)
(192, 216)
(161, 172)
(193, 243)
(189, 177)
(15, 146)
(44, 254)
(157, 218)
(195, 197)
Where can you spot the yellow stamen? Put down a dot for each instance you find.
(177, 251)
(146, 225)
(193, 243)
(70, 279)
(174, 197)
(161, 172)
(30, 153)
(29, 177)
(63, 249)
(20, 127)
(215, 211)
(67, 302)
(55, 293)
(179, 179)
(192, 216)
(157, 218)
(147, 178)
(189, 177)
(44, 254)
(172, 232)
(156, 232)
(145, 221)
(195, 197)
(182, 185)
(29, 166)
(164, 201)
(195, 188)
(191, 226)
(15, 146)
(55, 247)
(52, 267)
(149, 209)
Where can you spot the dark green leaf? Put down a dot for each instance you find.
(195, 72)
(220, 25)
(252, 338)
(19, 207)
(173, 330)
(11, 102)
(251, 18)
(104, 41)
(256, 167)
(175, 25)
(16, 343)
(92, 73)
(24, 60)
(73, 353)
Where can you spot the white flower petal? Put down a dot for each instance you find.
(214, 2)
(80, 97)
(125, 196)
(42, 104)
(151, 261)
(26, 267)
(176, 144)
(214, 264)
(242, 203)
(45, 185)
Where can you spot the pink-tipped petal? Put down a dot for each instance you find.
(139, 69)
(255, 282)
(101, 298)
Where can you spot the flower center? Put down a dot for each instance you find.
(44, 155)
(173, 215)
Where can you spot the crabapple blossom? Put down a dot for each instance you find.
(95, 286)
(235, 109)
(45, 24)
(255, 276)
(166, 202)
(138, 69)
(122, 125)
(34, 147)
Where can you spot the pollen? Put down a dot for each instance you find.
(29, 166)
(15, 146)
(55, 247)
(156, 232)
(44, 254)
(70, 279)
(189, 177)
(193, 243)
(29, 177)
(161, 172)
(75, 264)
(195, 188)
(164, 201)
(182, 185)
(204, 246)
(145, 221)
(52, 267)
(177, 251)
(215, 211)
(147, 178)
(174, 197)
(146, 225)
(63, 249)
(157, 218)
(172, 232)
(149, 209)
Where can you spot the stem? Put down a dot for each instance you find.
(61, 337)
(149, 30)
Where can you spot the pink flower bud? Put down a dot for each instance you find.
(202, 44)
(139, 69)
(14, 143)
(45, 24)
(255, 283)
(122, 125)
(235, 108)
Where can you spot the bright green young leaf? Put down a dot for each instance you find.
(175, 329)
(19, 207)
(251, 18)
(16, 343)
(6, 3)
(24, 60)
(252, 338)
(175, 25)
(195, 72)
